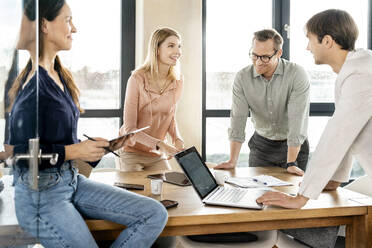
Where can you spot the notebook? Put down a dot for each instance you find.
(207, 188)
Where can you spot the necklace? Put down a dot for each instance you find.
(162, 85)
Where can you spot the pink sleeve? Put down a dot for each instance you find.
(132, 96)
(173, 131)
(173, 128)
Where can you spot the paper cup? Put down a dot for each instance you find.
(156, 186)
(220, 177)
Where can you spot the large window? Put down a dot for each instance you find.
(95, 55)
(321, 76)
(101, 59)
(227, 42)
(98, 65)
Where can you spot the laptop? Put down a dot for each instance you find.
(207, 188)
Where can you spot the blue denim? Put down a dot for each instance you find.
(55, 213)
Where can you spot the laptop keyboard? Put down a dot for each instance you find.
(232, 195)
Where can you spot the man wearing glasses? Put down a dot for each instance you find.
(276, 93)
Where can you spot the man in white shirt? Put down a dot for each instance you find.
(332, 35)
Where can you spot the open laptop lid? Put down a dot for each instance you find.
(197, 172)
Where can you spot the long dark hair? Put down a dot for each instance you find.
(14, 83)
(49, 10)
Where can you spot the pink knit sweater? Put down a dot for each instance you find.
(144, 106)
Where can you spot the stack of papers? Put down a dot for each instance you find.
(257, 181)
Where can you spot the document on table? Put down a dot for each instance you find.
(362, 200)
(257, 181)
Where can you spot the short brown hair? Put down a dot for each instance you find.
(266, 34)
(338, 24)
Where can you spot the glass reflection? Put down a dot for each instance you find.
(63, 197)
(18, 106)
(22, 93)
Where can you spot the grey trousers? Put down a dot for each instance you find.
(265, 152)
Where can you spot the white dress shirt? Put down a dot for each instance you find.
(349, 132)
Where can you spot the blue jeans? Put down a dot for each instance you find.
(55, 213)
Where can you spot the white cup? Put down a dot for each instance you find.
(156, 186)
(220, 177)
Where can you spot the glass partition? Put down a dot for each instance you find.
(18, 108)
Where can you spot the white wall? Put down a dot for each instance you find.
(185, 16)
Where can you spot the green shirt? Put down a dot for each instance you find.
(279, 108)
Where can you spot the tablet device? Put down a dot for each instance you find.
(118, 139)
(177, 178)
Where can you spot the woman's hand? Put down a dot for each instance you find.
(8, 152)
(118, 143)
(168, 150)
(180, 145)
(282, 200)
(87, 150)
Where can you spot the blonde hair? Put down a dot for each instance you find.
(151, 63)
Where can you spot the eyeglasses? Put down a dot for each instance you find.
(264, 58)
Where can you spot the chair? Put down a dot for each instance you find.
(286, 241)
(83, 167)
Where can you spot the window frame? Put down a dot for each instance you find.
(280, 18)
(127, 61)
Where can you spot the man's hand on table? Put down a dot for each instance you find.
(295, 171)
(332, 185)
(282, 200)
(225, 165)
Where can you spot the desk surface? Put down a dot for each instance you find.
(193, 217)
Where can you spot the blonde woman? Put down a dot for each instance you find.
(151, 96)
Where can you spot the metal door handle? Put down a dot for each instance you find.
(34, 158)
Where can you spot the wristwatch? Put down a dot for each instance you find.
(289, 164)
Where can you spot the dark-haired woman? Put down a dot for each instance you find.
(54, 213)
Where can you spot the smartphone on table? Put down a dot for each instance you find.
(129, 186)
(169, 203)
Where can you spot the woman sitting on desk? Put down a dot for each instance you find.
(151, 96)
(54, 213)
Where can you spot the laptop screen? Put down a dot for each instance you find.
(196, 171)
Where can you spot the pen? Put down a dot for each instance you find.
(106, 148)
(255, 180)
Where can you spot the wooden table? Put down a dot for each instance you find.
(192, 217)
